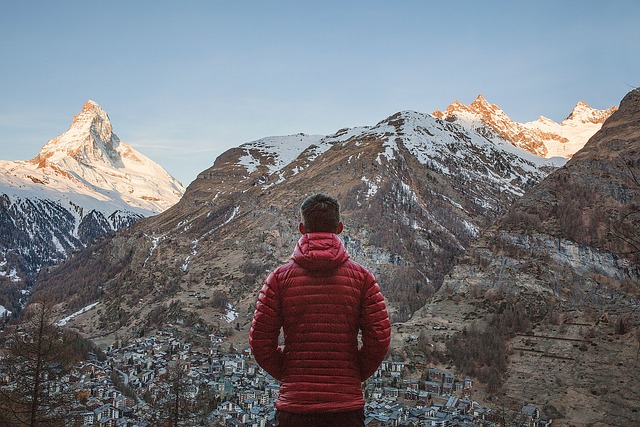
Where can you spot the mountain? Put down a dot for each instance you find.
(83, 184)
(415, 191)
(543, 137)
(558, 277)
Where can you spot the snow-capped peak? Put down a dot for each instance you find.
(480, 104)
(90, 139)
(83, 184)
(90, 161)
(543, 137)
(583, 113)
(479, 109)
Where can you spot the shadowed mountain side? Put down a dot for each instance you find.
(558, 278)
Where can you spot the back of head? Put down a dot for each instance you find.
(320, 213)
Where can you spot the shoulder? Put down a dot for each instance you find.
(282, 272)
(359, 271)
(357, 266)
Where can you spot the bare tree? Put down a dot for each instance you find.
(175, 408)
(179, 402)
(35, 358)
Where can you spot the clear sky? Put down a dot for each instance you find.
(183, 81)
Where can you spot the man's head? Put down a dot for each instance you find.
(320, 213)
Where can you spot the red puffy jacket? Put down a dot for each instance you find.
(322, 300)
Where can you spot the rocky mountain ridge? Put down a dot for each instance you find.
(543, 137)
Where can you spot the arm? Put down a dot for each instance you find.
(376, 330)
(265, 330)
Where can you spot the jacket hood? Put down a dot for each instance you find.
(320, 251)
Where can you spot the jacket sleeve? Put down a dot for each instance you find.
(376, 330)
(265, 330)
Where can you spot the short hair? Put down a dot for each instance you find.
(320, 213)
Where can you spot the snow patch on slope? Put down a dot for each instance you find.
(4, 312)
(277, 151)
(67, 319)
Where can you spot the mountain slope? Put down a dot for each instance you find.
(83, 184)
(566, 258)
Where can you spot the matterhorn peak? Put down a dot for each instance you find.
(90, 110)
(94, 120)
(91, 105)
(90, 160)
(83, 184)
(89, 140)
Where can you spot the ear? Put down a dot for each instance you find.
(340, 228)
(301, 228)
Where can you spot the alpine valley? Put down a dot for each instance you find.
(479, 229)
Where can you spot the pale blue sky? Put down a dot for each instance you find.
(183, 81)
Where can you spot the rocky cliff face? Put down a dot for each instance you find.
(567, 255)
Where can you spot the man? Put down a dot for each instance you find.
(321, 299)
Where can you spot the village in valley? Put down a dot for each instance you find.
(163, 380)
